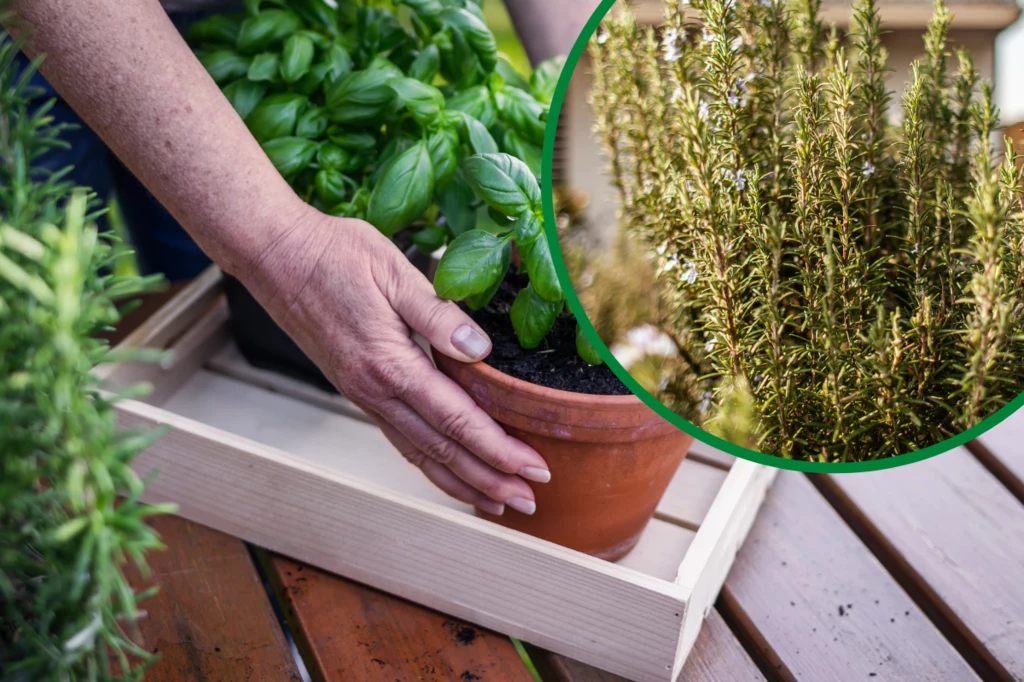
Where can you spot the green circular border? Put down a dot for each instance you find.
(577, 308)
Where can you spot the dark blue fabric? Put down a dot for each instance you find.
(161, 244)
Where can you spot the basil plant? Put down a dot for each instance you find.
(368, 111)
(403, 115)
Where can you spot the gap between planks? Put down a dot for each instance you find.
(925, 595)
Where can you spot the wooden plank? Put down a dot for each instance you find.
(211, 619)
(230, 362)
(723, 531)
(604, 614)
(955, 533)
(1001, 450)
(717, 656)
(691, 493)
(702, 452)
(348, 631)
(315, 434)
(816, 605)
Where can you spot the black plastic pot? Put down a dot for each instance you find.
(267, 346)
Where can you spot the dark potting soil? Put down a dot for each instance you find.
(555, 363)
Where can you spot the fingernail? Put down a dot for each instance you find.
(535, 474)
(521, 505)
(471, 342)
(491, 507)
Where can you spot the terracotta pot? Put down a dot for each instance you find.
(611, 458)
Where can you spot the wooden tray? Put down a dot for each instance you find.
(303, 473)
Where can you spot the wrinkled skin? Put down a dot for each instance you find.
(351, 300)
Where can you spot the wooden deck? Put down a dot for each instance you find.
(908, 574)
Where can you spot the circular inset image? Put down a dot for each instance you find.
(786, 241)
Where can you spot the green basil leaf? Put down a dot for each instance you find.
(224, 65)
(275, 116)
(443, 148)
(527, 152)
(266, 30)
(523, 113)
(333, 157)
(536, 256)
(316, 13)
(427, 10)
(477, 102)
(404, 191)
(352, 140)
(533, 317)
(528, 227)
(319, 40)
(218, 28)
(426, 65)
(314, 78)
(290, 155)
(471, 265)
(265, 67)
(478, 137)
(360, 97)
(476, 33)
(544, 80)
(456, 203)
(296, 57)
(391, 151)
(339, 61)
(331, 186)
(429, 239)
(312, 123)
(478, 301)
(244, 95)
(586, 349)
(508, 73)
(423, 101)
(503, 182)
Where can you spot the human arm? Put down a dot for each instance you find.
(337, 286)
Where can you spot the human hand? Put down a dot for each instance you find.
(351, 300)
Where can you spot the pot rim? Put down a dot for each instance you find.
(543, 392)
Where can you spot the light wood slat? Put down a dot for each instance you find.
(703, 452)
(355, 448)
(352, 633)
(439, 557)
(1002, 451)
(660, 550)
(691, 493)
(716, 657)
(211, 619)
(818, 606)
(959, 536)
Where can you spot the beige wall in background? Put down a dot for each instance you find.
(585, 167)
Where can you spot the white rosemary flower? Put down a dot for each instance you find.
(643, 342)
(739, 180)
(868, 169)
(709, 347)
(705, 404)
(703, 110)
(707, 35)
(602, 35)
(736, 44)
(689, 273)
(733, 99)
(670, 43)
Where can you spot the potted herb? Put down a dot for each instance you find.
(433, 138)
(370, 119)
(70, 517)
(850, 283)
(611, 457)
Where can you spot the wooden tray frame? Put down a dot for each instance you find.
(612, 616)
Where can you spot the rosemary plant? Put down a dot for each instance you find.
(70, 516)
(852, 279)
